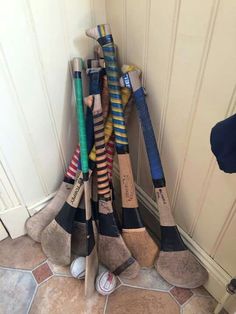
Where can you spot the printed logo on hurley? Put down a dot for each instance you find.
(80, 181)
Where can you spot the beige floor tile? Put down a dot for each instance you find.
(200, 305)
(148, 278)
(65, 295)
(21, 253)
(139, 301)
(201, 291)
(59, 270)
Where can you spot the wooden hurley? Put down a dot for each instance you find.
(91, 258)
(40, 220)
(96, 77)
(63, 224)
(58, 232)
(113, 252)
(176, 264)
(137, 239)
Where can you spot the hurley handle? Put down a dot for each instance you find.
(77, 66)
(98, 80)
(149, 136)
(132, 80)
(103, 185)
(102, 34)
(95, 80)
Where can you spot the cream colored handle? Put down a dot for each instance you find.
(128, 193)
(163, 205)
(77, 192)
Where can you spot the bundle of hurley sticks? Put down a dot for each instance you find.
(79, 221)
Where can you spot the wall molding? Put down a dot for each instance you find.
(14, 220)
(3, 232)
(33, 209)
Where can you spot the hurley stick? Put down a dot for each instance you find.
(105, 110)
(112, 250)
(91, 258)
(77, 236)
(110, 151)
(141, 245)
(79, 247)
(58, 233)
(59, 230)
(176, 264)
(39, 221)
(56, 237)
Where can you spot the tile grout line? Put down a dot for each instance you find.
(17, 269)
(120, 280)
(44, 262)
(171, 288)
(149, 289)
(33, 296)
(171, 295)
(34, 278)
(105, 306)
(41, 283)
(187, 301)
(55, 273)
(118, 286)
(49, 266)
(63, 275)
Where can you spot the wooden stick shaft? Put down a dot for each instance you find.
(102, 34)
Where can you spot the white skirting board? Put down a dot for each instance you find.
(41, 204)
(3, 232)
(14, 218)
(218, 277)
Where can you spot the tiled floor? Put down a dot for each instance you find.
(31, 284)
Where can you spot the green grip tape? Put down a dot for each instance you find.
(81, 122)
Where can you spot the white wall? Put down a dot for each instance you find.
(37, 120)
(186, 50)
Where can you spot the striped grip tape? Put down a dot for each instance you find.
(101, 157)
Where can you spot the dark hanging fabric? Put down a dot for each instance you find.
(223, 144)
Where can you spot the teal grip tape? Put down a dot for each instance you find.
(81, 121)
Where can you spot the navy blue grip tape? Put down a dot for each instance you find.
(95, 82)
(149, 137)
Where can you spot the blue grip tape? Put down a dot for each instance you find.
(95, 81)
(149, 136)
